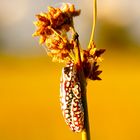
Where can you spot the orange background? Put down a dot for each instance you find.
(29, 87)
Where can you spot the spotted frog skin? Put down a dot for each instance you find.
(70, 98)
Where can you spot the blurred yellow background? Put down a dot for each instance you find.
(29, 81)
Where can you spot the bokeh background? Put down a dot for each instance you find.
(29, 81)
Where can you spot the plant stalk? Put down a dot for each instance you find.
(81, 77)
(94, 22)
(86, 131)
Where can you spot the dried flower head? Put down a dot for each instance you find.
(52, 29)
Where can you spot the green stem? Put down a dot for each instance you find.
(81, 77)
(86, 131)
(94, 22)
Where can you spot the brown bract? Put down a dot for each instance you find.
(52, 28)
(90, 58)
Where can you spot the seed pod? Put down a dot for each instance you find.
(70, 94)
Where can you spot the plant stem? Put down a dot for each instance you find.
(94, 22)
(81, 77)
(86, 131)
